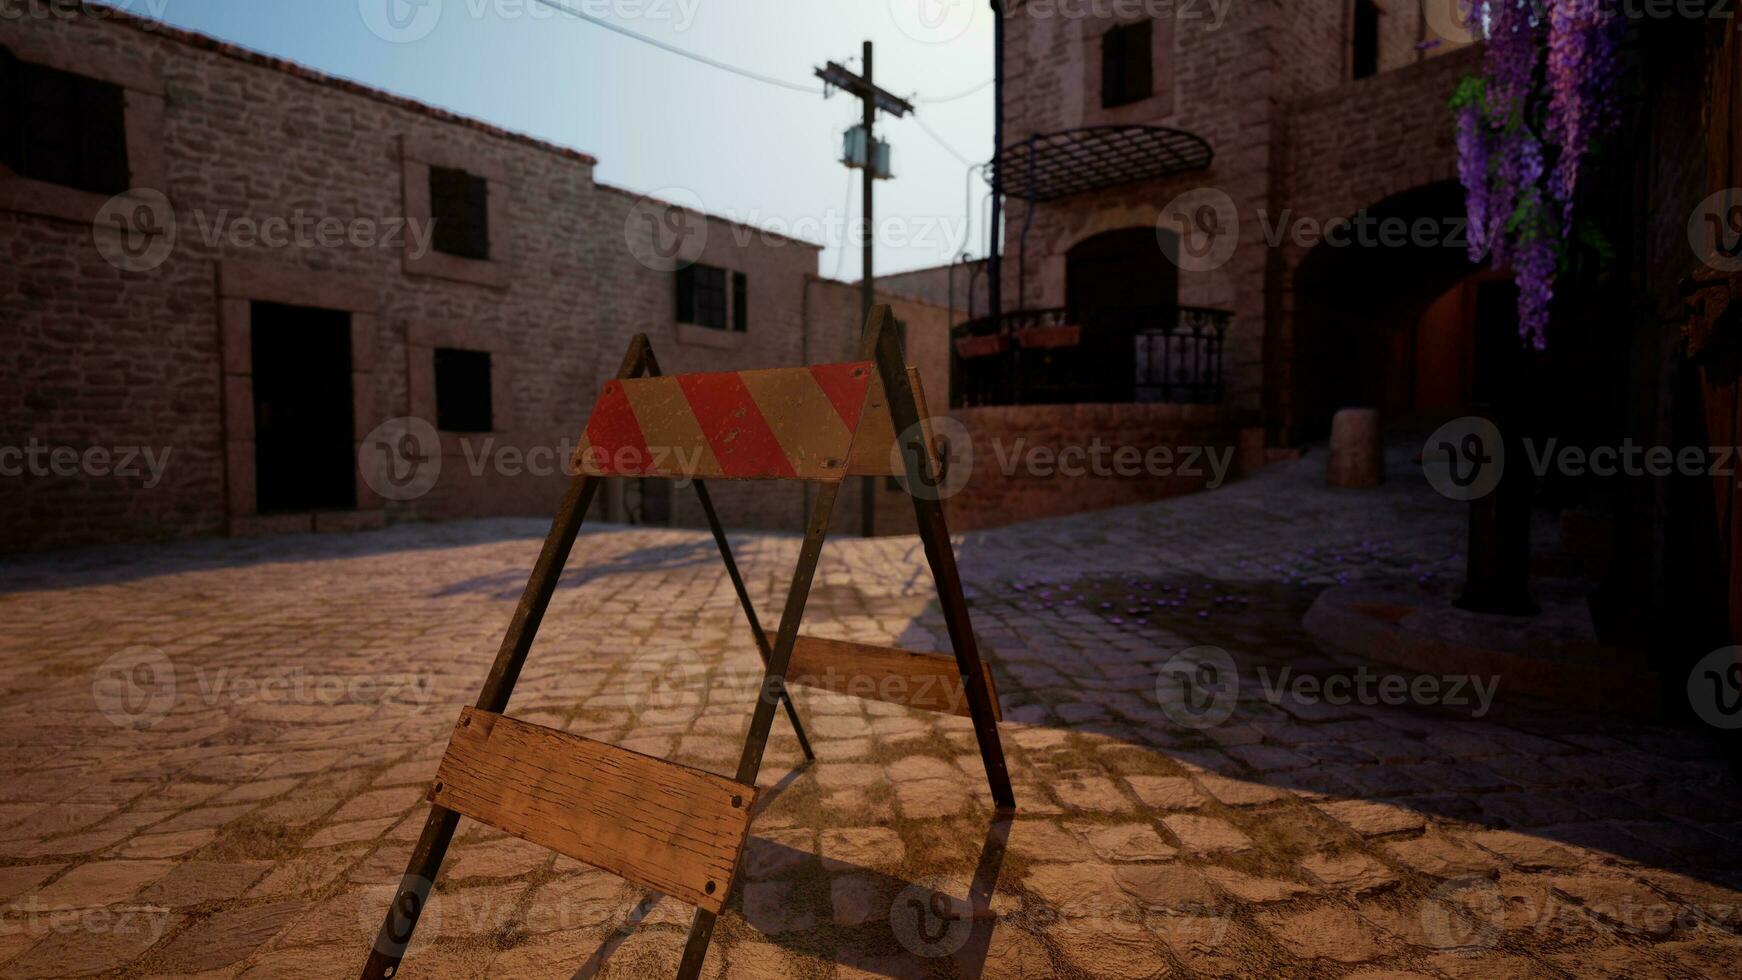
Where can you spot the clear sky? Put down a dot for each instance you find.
(746, 149)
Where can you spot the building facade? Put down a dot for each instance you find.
(1199, 190)
(303, 304)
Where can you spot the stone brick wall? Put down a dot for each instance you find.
(1348, 149)
(100, 358)
(1267, 88)
(935, 285)
(1113, 455)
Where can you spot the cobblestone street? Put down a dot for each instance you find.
(218, 751)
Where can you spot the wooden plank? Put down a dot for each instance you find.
(930, 681)
(872, 444)
(663, 826)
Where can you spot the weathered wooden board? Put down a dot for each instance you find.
(930, 681)
(873, 443)
(658, 824)
(784, 423)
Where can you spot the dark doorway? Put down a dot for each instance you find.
(303, 453)
(1120, 270)
(1118, 284)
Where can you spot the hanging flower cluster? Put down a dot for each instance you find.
(1524, 127)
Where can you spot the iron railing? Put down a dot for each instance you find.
(1059, 356)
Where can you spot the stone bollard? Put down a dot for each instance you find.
(1357, 452)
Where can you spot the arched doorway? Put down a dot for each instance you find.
(1119, 285)
(1390, 313)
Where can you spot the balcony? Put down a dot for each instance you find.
(1059, 356)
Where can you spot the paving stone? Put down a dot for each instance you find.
(76, 950)
(17, 880)
(1240, 792)
(1349, 872)
(226, 937)
(1091, 792)
(505, 858)
(1251, 888)
(846, 849)
(1571, 817)
(100, 883)
(1442, 857)
(1525, 850)
(1166, 792)
(1206, 835)
(1325, 932)
(860, 898)
(1370, 818)
(775, 907)
(199, 882)
(1125, 843)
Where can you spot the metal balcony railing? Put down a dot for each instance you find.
(1060, 356)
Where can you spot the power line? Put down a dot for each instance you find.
(680, 52)
(959, 95)
(940, 141)
(846, 223)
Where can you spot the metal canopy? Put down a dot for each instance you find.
(1052, 165)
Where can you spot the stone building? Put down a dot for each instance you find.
(1249, 207)
(209, 339)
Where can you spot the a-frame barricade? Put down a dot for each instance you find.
(669, 827)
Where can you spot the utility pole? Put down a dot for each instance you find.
(871, 99)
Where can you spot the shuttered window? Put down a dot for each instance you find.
(1127, 74)
(463, 395)
(701, 296)
(459, 206)
(62, 128)
(740, 302)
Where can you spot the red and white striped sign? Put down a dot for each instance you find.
(784, 423)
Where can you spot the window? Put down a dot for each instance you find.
(62, 128)
(1126, 72)
(459, 206)
(462, 383)
(1365, 57)
(740, 302)
(701, 296)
